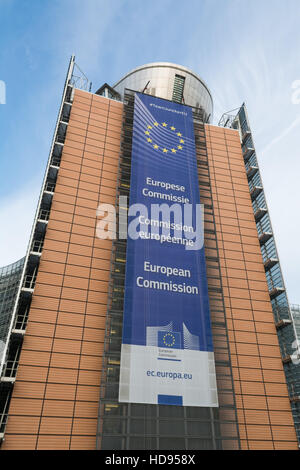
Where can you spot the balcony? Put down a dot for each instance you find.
(259, 213)
(61, 132)
(17, 334)
(282, 323)
(21, 321)
(53, 170)
(37, 246)
(245, 135)
(49, 187)
(7, 380)
(247, 153)
(65, 116)
(286, 359)
(264, 237)
(252, 170)
(29, 283)
(275, 292)
(255, 191)
(10, 371)
(269, 263)
(43, 215)
(5, 396)
(60, 139)
(55, 161)
(294, 398)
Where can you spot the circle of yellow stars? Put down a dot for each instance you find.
(169, 340)
(165, 150)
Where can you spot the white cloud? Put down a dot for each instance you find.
(283, 134)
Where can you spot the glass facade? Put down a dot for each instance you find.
(10, 277)
(178, 89)
(9, 283)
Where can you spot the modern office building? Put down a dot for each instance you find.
(60, 368)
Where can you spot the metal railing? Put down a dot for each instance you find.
(11, 365)
(29, 281)
(37, 245)
(65, 118)
(55, 161)
(50, 187)
(60, 138)
(10, 369)
(44, 214)
(4, 413)
(21, 320)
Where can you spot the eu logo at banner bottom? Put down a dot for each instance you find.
(168, 339)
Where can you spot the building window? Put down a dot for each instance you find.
(178, 89)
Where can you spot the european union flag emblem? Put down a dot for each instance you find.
(164, 138)
(169, 339)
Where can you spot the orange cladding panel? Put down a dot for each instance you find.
(55, 399)
(264, 411)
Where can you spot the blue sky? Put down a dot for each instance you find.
(244, 50)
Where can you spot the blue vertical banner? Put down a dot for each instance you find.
(167, 350)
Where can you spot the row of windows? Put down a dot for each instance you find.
(170, 443)
(168, 427)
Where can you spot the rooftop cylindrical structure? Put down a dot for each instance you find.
(170, 81)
